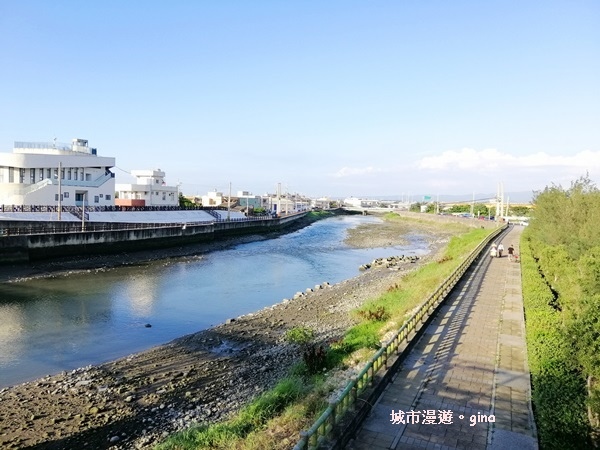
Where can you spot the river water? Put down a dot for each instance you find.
(60, 323)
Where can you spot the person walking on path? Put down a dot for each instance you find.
(511, 251)
(469, 363)
(500, 250)
(493, 251)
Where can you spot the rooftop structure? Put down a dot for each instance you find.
(150, 189)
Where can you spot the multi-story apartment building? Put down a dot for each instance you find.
(150, 189)
(42, 173)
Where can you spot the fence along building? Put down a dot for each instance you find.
(39, 173)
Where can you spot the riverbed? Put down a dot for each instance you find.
(79, 317)
(203, 377)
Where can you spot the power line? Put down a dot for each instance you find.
(122, 170)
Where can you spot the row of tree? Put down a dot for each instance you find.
(563, 240)
(479, 209)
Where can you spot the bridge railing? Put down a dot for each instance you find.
(337, 409)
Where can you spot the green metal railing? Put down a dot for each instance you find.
(321, 429)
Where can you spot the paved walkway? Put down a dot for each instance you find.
(469, 367)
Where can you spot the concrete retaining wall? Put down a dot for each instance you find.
(31, 247)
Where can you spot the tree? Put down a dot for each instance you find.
(564, 238)
(415, 207)
(184, 202)
(520, 211)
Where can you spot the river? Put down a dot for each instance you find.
(58, 323)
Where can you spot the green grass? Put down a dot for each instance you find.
(412, 290)
(251, 418)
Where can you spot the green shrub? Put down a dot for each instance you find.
(363, 335)
(377, 314)
(300, 335)
(558, 387)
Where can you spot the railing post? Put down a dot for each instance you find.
(333, 416)
(303, 440)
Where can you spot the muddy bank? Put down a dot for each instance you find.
(136, 401)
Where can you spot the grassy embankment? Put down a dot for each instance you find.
(275, 419)
(560, 253)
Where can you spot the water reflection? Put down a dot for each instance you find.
(11, 329)
(142, 292)
(53, 324)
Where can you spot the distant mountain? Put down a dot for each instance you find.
(512, 197)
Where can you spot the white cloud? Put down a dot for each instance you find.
(492, 159)
(468, 170)
(469, 167)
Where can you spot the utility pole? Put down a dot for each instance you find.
(83, 213)
(278, 199)
(59, 190)
(229, 203)
(498, 201)
(473, 205)
(501, 199)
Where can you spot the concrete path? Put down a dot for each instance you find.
(466, 384)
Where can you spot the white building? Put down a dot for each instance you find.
(248, 200)
(360, 202)
(41, 173)
(321, 203)
(213, 198)
(150, 189)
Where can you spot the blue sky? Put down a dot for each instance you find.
(338, 98)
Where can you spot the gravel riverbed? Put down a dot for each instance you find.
(134, 402)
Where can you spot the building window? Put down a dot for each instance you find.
(66, 195)
(11, 175)
(48, 173)
(21, 175)
(107, 197)
(88, 177)
(41, 174)
(56, 197)
(32, 175)
(69, 174)
(62, 174)
(96, 199)
(101, 195)
(56, 174)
